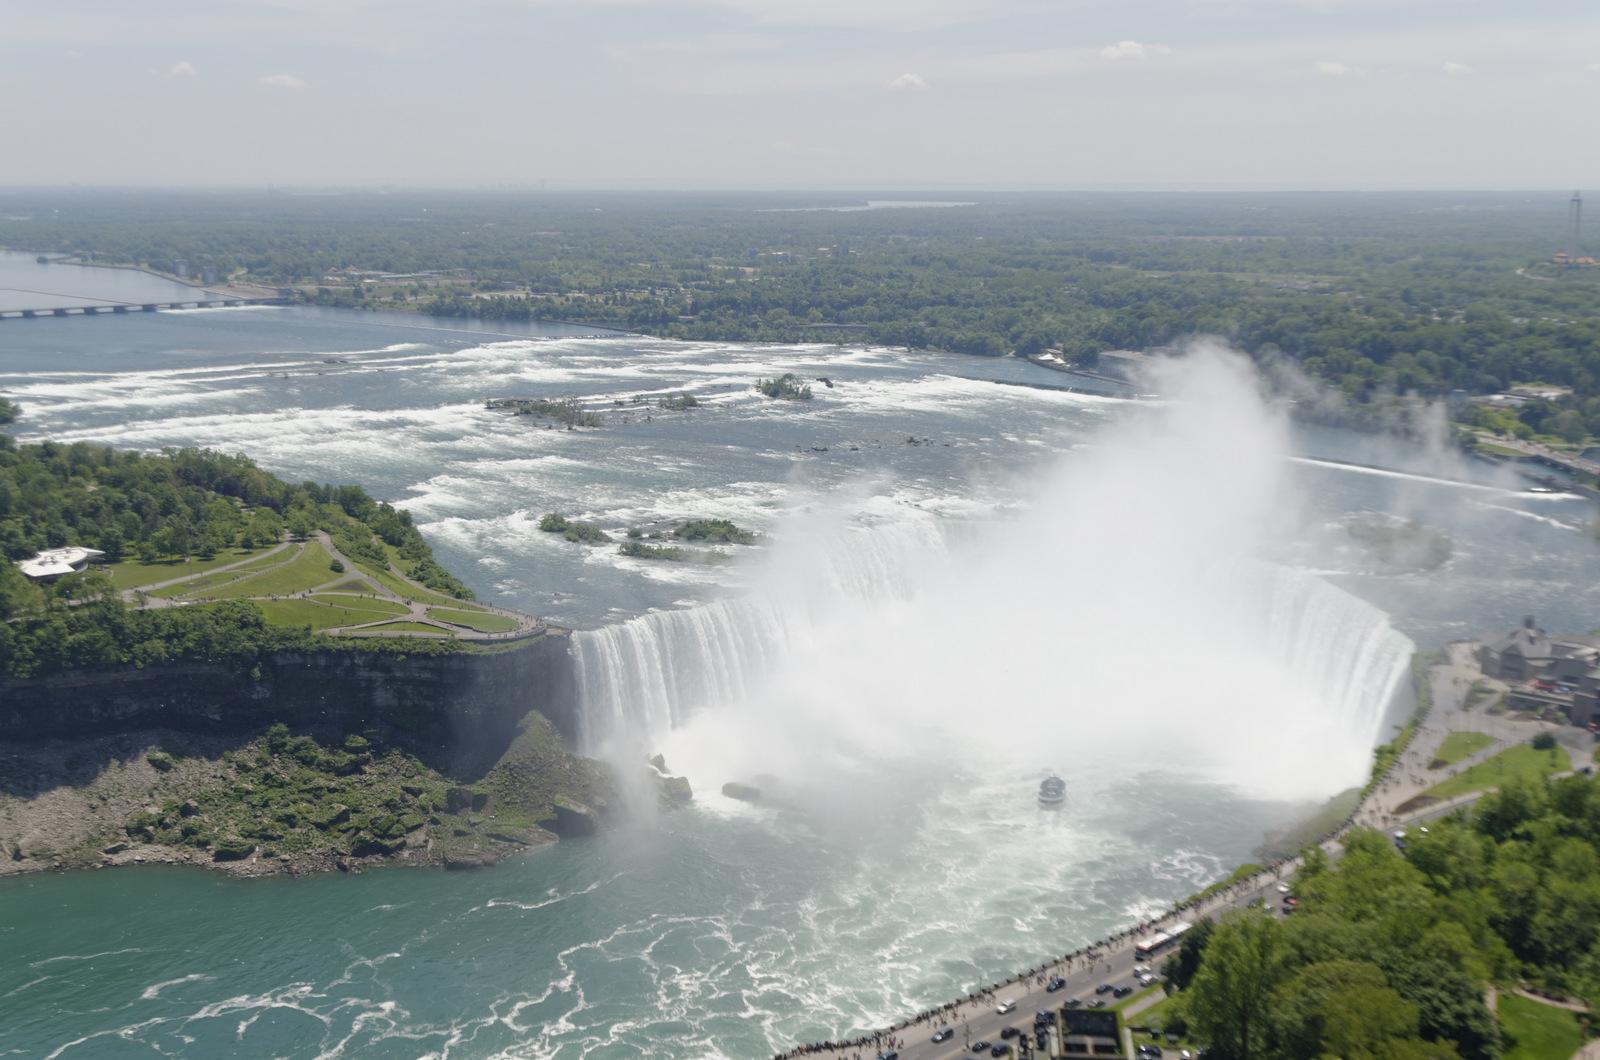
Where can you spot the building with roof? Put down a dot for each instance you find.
(1546, 674)
(1518, 655)
(57, 562)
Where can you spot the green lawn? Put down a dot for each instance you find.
(318, 616)
(413, 627)
(363, 603)
(478, 620)
(1520, 761)
(1537, 1032)
(130, 573)
(388, 580)
(1499, 450)
(1459, 745)
(1155, 1016)
(307, 572)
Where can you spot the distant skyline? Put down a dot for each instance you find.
(805, 94)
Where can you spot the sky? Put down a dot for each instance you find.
(848, 94)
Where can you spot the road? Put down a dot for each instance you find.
(977, 1020)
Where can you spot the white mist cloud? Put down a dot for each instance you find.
(1132, 49)
(908, 81)
(283, 81)
(183, 69)
(1125, 611)
(1456, 68)
(1332, 69)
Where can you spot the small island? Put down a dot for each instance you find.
(201, 663)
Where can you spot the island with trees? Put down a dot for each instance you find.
(264, 677)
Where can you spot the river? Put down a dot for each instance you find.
(947, 601)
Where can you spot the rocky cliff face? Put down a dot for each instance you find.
(458, 713)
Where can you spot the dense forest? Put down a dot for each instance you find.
(1388, 954)
(152, 507)
(1374, 295)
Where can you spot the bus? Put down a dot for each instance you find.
(1160, 942)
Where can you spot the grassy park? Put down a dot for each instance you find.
(1459, 745)
(1520, 761)
(482, 621)
(131, 572)
(1534, 1031)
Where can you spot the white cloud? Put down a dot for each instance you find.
(908, 81)
(1456, 68)
(1333, 69)
(283, 81)
(73, 54)
(1593, 68)
(185, 68)
(1132, 49)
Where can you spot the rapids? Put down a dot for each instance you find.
(1152, 600)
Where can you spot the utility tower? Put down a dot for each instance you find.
(1574, 219)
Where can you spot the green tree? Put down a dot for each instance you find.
(1179, 971)
(1227, 1001)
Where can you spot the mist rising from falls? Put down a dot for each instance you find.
(1123, 618)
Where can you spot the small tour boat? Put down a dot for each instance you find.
(1052, 791)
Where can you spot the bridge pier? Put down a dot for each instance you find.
(119, 309)
(29, 314)
(59, 312)
(148, 307)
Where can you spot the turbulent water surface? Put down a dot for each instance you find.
(962, 583)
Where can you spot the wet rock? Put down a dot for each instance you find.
(675, 791)
(463, 860)
(457, 799)
(660, 762)
(743, 792)
(115, 848)
(574, 819)
(189, 808)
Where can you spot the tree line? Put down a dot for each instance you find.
(1389, 953)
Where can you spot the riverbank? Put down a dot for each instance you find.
(279, 803)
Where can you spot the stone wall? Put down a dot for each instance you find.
(456, 712)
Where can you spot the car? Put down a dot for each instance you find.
(944, 1034)
(1008, 1032)
(1149, 1052)
(1283, 888)
(1103, 988)
(1072, 1002)
(888, 1054)
(1000, 1049)
(1055, 984)
(1006, 1007)
(1122, 991)
(1098, 1002)
(1291, 902)
(980, 1046)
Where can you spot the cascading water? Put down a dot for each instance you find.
(1122, 614)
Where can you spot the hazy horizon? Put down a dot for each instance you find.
(1336, 95)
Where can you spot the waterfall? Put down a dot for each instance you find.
(1116, 616)
(1276, 649)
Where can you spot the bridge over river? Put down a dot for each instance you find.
(52, 304)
